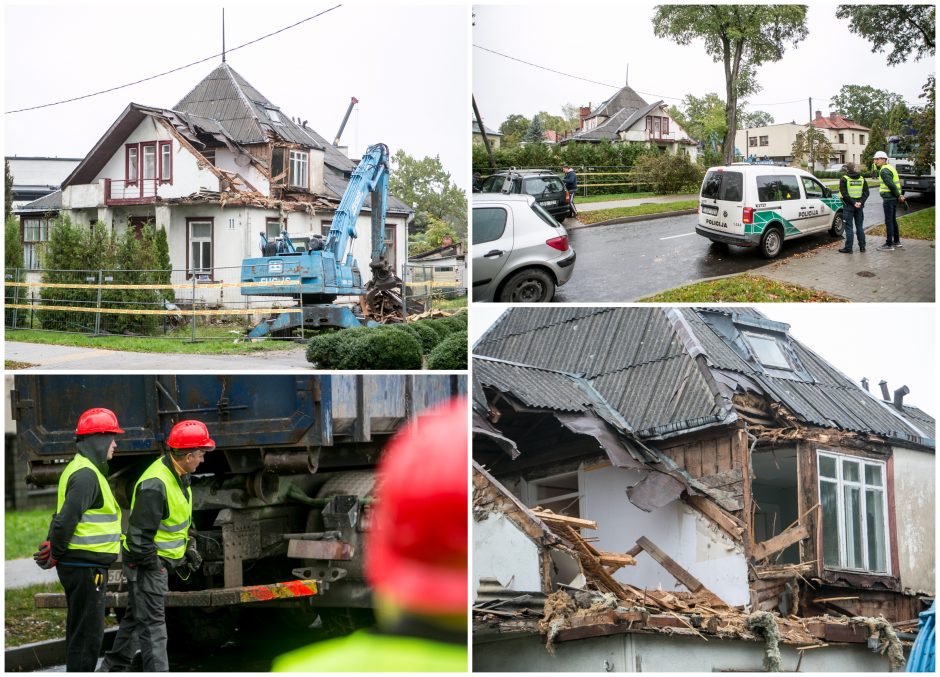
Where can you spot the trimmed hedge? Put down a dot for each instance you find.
(451, 353)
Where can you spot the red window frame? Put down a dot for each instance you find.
(211, 221)
(165, 173)
(127, 163)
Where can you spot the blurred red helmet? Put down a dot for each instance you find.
(190, 434)
(97, 421)
(416, 553)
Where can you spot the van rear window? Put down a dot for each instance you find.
(727, 186)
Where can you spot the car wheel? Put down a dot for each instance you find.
(771, 243)
(528, 286)
(838, 225)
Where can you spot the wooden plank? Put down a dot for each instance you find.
(779, 542)
(733, 526)
(575, 522)
(840, 632)
(680, 574)
(723, 479)
(613, 559)
(709, 457)
(820, 600)
(634, 551)
(746, 503)
(725, 458)
(693, 459)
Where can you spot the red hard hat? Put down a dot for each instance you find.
(416, 552)
(97, 421)
(190, 434)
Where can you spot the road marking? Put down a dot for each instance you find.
(673, 237)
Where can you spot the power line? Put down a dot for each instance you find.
(174, 70)
(604, 84)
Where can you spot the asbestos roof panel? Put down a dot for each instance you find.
(719, 353)
(607, 130)
(534, 387)
(637, 115)
(922, 420)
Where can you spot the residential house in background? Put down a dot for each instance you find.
(442, 270)
(627, 118)
(215, 170)
(492, 136)
(36, 177)
(723, 468)
(775, 142)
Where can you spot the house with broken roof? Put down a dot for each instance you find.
(646, 479)
(215, 170)
(627, 118)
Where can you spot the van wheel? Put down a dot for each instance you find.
(771, 243)
(528, 286)
(838, 225)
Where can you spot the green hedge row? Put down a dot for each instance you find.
(394, 346)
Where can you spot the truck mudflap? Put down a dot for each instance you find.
(214, 597)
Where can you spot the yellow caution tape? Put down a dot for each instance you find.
(199, 285)
(129, 311)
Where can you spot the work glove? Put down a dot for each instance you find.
(43, 556)
(191, 563)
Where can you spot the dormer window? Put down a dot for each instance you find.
(767, 351)
(273, 114)
(298, 169)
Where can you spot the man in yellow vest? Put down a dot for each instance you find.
(853, 189)
(415, 558)
(84, 537)
(890, 190)
(157, 542)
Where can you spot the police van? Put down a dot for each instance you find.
(762, 206)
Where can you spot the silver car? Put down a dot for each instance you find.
(520, 253)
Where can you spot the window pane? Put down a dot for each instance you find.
(488, 224)
(827, 466)
(767, 351)
(853, 528)
(813, 188)
(206, 256)
(875, 522)
(873, 475)
(828, 499)
(777, 188)
(732, 187)
(200, 230)
(850, 471)
(165, 161)
(150, 162)
(196, 263)
(131, 164)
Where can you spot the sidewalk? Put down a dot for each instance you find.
(22, 573)
(903, 275)
(632, 202)
(47, 356)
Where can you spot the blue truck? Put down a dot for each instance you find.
(279, 508)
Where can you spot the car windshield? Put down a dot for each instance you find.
(539, 185)
(544, 215)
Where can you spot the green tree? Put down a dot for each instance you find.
(904, 30)
(556, 123)
(425, 185)
(432, 238)
(164, 265)
(7, 191)
(513, 129)
(814, 143)
(12, 245)
(899, 119)
(876, 142)
(668, 173)
(864, 103)
(534, 134)
(752, 119)
(702, 117)
(572, 116)
(741, 37)
(924, 123)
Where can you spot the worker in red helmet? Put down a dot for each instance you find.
(157, 543)
(415, 558)
(84, 536)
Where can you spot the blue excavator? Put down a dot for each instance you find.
(316, 274)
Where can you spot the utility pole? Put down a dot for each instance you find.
(809, 136)
(486, 141)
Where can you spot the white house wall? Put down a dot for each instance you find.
(225, 159)
(502, 551)
(915, 501)
(681, 532)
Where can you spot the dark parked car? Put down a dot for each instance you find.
(542, 184)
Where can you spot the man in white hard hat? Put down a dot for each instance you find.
(890, 189)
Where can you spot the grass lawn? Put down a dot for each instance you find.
(26, 624)
(742, 288)
(23, 531)
(222, 342)
(13, 364)
(458, 303)
(614, 196)
(917, 226)
(637, 210)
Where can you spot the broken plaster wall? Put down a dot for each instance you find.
(683, 533)
(915, 501)
(503, 551)
(226, 159)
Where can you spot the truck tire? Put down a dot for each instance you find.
(771, 243)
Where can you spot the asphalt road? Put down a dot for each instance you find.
(626, 262)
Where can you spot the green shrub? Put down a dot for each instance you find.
(380, 348)
(452, 324)
(322, 349)
(439, 329)
(451, 353)
(669, 173)
(429, 337)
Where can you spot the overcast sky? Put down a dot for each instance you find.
(600, 42)
(891, 341)
(407, 65)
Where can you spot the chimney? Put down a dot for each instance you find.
(899, 397)
(343, 149)
(585, 112)
(819, 115)
(832, 117)
(865, 383)
(884, 391)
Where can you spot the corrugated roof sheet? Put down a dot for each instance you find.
(535, 387)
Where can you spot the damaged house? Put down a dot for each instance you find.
(215, 170)
(691, 489)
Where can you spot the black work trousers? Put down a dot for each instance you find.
(144, 622)
(85, 589)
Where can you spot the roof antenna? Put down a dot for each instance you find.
(223, 35)
(626, 80)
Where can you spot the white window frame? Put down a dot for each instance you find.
(202, 240)
(748, 335)
(841, 483)
(151, 150)
(299, 162)
(530, 491)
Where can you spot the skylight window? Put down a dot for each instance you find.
(273, 114)
(767, 351)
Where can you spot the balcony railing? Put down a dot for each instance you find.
(142, 191)
(658, 135)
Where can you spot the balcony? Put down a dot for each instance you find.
(140, 192)
(656, 135)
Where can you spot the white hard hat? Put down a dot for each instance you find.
(881, 155)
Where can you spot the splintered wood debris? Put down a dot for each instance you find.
(606, 606)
